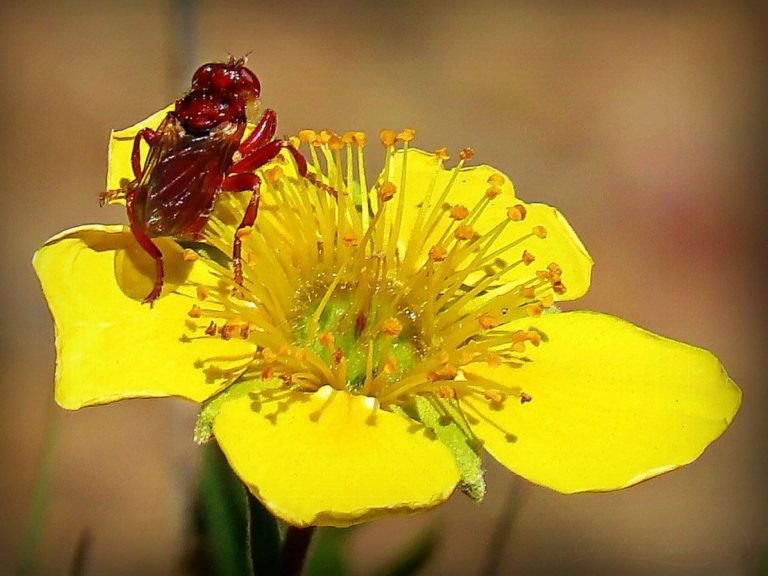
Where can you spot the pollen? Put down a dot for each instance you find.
(308, 136)
(464, 232)
(496, 179)
(326, 339)
(189, 255)
(492, 192)
(442, 153)
(528, 258)
(350, 240)
(488, 321)
(388, 138)
(517, 213)
(494, 396)
(391, 327)
(539, 231)
(387, 191)
(534, 310)
(202, 292)
(391, 366)
(466, 154)
(406, 135)
(459, 212)
(446, 392)
(438, 253)
(194, 312)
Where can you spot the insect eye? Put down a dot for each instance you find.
(201, 80)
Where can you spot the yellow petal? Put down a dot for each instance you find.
(561, 244)
(111, 346)
(119, 168)
(331, 458)
(612, 405)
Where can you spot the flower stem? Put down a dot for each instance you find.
(295, 548)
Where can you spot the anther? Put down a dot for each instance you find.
(492, 192)
(360, 323)
(326, 339)
(443, 357)
(335, 142)
(559, 288)
(194, 312)
(337, 355)
(496, 179)
(245, 331)
(294, 141)
(528, 258)
(446, 392)
(517, 213)
(406, 135)
(325, 136)
(387, 191)
(268, 355)
(274, 174)
(464, 232)
(350, 240)
(202, 292)
(459, 212)
(189, 255)
(525, 397)
(308, 136)
(442, 153)
(212, 329)
(487, 321)
(466, 154)
(391, 327)
(387, 137)
(438, 253)
(494, 396)
(547, 301)
(539, 231)
(493, 360)
(534, 310)
(467, 357)
(226, 331)
(391, 366)
(528, 292)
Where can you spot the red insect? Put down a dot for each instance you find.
(197, 152)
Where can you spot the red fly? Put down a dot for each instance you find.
(197, 152)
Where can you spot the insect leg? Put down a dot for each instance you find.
(238, 183)
(148, 135)
(262, 133)
(260, 156)
(149, 247)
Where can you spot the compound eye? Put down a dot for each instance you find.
(249, 82)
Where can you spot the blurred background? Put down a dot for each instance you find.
(645, 123)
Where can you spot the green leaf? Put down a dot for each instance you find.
(446, 419)
(327, 554)
(415, 557)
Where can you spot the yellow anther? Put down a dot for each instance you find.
(406, 135)
(544, 275)
(464, 232)
(494, 396)
(326, 339)
(350, 240)
(492, 192)
(194, 312)
(357, 138)
(459, 212)
(447, 372)
(467, 357)
(527, 292)
(446, 392)
(517, 213)
(335, 142)
(391, 327)
(438, 253)
(387, 191)
(466, 154)
(487, 321)
(528, 258)
(388, 137)
(442, 153)
(274, 174)
(548, 301)
(534, 310)
(189, 255)
(539, 231)
(555, 269)
(325, 136)
(308, 136)
(496, 179)
(493, 360)
(268, 355)
(243, 232)
(202, 292)
(294, 141)
(518, 346)
(391, 366)
(534, 337)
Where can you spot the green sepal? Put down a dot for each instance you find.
(445, 418)
(210, 408)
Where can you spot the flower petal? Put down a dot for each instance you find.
(612, 405)
(561, 244)
(331, 458)
(119, 168)
(109, 346)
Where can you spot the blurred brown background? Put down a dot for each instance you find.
(644, 122)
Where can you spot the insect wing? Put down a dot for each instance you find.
(183, 174)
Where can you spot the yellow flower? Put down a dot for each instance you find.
(383, 335)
